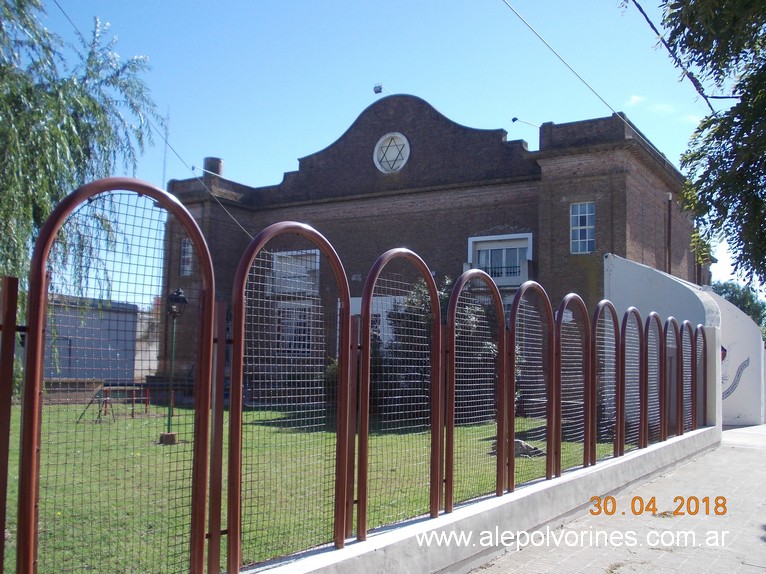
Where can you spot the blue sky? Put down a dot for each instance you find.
(262, 83)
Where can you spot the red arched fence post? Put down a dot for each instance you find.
(9, 299)
(674, 376)
(604, 310)
(239, 312)
(500, 388)
(654, 325)
(435, 384)
(34, 368)
(553, 444)
(688, 381)
(631, 316)
(576, 306)
(700, 381)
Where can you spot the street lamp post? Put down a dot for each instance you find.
(177, 302)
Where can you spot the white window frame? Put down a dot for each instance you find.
(294, 328)
(509, 241)
(185, 257)
(579, 244)
(381, 307)
(295, 283)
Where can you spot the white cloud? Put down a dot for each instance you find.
(634, 101)
(663, 108)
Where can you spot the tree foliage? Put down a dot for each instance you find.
(61, 124)
(744, 298)
(723, 42)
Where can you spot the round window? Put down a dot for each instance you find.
(391, 152)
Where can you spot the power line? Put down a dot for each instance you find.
(199, 179)
(166, 141)
(687, 72)
(61, 9)
(559, 56)
(633, 129)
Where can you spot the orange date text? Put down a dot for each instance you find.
(682, 505)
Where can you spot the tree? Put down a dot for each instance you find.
(721, 43)
(744, 298)
(402, 366)
(60, 125)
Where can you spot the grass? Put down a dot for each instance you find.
(113, 499)
(288, 470)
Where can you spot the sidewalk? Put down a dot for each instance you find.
(720, 538)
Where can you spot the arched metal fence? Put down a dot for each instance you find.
(96, 406)
(433, 397)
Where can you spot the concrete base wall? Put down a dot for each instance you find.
(529, 508)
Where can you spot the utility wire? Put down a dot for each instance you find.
(165, 139)
(199, 179)
(555, 53)
(687, 72)
(633, 129)
(61, 9)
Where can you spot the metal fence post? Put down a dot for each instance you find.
(10, 298)
(216, 444)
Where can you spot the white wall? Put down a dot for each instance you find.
(628, 283)
(742, 370)
(744, 397)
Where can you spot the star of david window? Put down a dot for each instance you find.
(391, 152)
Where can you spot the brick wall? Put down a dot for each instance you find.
(435, 224)
(458, 183)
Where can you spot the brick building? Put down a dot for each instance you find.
(405, 175)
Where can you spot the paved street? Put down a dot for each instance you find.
(713, 534)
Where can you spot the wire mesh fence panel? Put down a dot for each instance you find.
(672, 345)
(115, 496)
(532, 373)
(476, 379)
(700, 342)
(400, 413)
(606, 366)
(653, 371)
(572, 381)
(289, 436)
(687, 338)
(632, 374)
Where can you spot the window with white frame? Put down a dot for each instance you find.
(582, 226)
(295, 272)
(502, 261)
(185, 257)
(381, 326)
(503, 257)
(296, 327)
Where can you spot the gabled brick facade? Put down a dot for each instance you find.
(459, 183)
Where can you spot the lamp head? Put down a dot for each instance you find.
(177, 302)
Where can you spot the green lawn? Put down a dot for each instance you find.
(114, 500)
(111, 497)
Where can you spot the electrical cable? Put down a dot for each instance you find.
(559, 56)
(167, 143)
(688, 73)
(639, 135)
